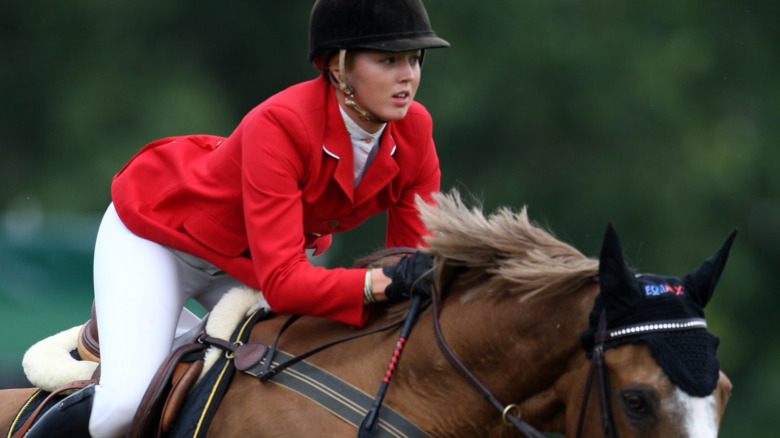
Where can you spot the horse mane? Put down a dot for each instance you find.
(503, 253)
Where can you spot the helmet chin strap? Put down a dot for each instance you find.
(342, 84)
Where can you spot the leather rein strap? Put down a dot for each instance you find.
(265, 372)
(506, 411)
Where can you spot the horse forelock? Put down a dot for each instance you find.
(503, 252)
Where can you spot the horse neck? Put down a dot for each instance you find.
(521, 351)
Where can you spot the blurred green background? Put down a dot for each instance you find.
(660, 116)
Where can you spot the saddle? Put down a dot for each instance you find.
(164, 397)
(166, 393)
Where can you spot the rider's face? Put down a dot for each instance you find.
(385, 83)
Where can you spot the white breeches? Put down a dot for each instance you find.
(141, 288)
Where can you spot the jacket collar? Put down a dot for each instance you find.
(337, 144)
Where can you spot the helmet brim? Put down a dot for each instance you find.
(405, 44)
(416, 42)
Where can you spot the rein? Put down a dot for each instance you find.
(263, 370)
(507, 412)
(368, 428)
(266, 372)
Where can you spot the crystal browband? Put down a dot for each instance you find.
(660, 326)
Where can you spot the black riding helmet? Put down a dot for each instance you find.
(388, 25)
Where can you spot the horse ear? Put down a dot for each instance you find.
(701, 281)
(619, 288)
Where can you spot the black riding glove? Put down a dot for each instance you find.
(412, 275)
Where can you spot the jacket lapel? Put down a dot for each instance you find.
(338, 145)
(381, 171)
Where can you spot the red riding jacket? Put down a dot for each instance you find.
(281, 182)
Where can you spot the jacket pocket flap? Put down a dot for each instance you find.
(215, 235)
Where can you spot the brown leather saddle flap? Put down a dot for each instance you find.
(166, 393)
(185, 375)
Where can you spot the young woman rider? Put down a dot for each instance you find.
(194, 216)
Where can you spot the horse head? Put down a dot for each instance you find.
(664, 375)
(521, 305)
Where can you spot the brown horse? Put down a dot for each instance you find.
(516, 303)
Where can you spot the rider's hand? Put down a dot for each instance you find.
(413, 275)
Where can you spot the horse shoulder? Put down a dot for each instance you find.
(11, 401)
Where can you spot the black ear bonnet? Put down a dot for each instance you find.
(667, 313)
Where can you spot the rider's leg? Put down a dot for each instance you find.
(140, 291)
(138, 301)
(137, 307)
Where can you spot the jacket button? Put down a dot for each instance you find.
(333, 223)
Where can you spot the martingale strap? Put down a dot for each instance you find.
(340, 398)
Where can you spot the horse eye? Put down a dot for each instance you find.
(635, 402)
(640, 405)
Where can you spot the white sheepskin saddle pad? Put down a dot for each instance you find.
(49, 365)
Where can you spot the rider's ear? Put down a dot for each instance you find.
(333, 66)
(701, 281)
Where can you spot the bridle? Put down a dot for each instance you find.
(597, 372)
